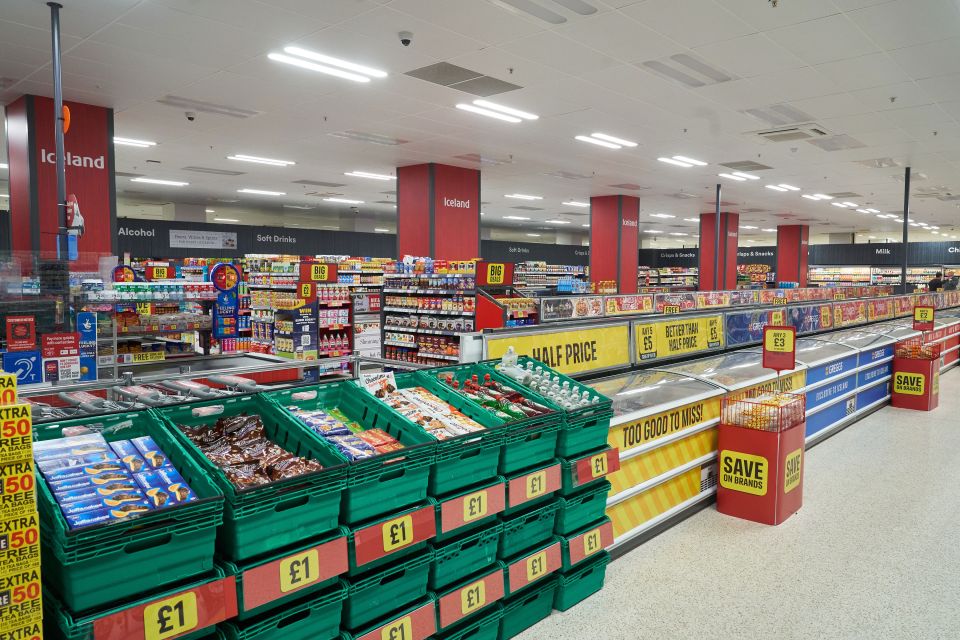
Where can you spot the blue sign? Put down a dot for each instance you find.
(872, 395)
(821, 372)
(873, 374)
(831, 415)
(27, 365)
(873, 355)
(87, 328)
(824, 394)
(226, 280)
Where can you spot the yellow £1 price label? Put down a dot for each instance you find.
(170, 617)
(778, 340)
(536, 484)
(297, 571)
(475, 506)
(472, 597)
(592, 542)
(536, 566)
(401, 629)
(397, 533)
(598, 465)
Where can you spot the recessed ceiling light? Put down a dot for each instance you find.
(769, 230)
(677, 233)
(533, 235)
(510, 111)
(872, 237)
(557, 221)
(599, 143)
(343, 200)
(575, 203)
(936, 233)
(521, 196)
(226, 220)
(131, 142)
(822, 196)
(748, 176)
(313, 66)
(789, 187)
(262, 192)
(258, 160)
(851, 204)
(332, 66)
(750, 240)
(839, 204)
(209, 211)
(675, 162)
(730, 176)
(746, 226)
(873, 210)
(809, 197)
(372, 176)
(515, 218)
(864, 211)
(775, 187)
(661, 215)
(914, 224)
(4, 195)
(487, 112)
(4, 165)
(381, 230)
(691, 219)
(699, 163)
(652, 231)
(614, 139)
(169, 183)
(585, 225)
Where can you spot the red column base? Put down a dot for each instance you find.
(916, 384)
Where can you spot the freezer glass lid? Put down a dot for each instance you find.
(858, 339)
(895, 331)
(735, 369)
(811, 350)
(641, 390)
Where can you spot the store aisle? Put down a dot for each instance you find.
(872, 553)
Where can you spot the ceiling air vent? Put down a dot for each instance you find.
(568, 175)
(218, 172)
(320, 183)
(526, 208)
(450, 75)
(207, 107)
(745, 165)
(846, 195)
(683, 195)
(879, 163)
(805, 131)
(629, 186)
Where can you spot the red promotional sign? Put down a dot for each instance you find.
(591, 542)
(160, 272)
(60, 345)
(779, 348)
(318, 272)
(383, 538)
(463, 510)
(21, 333)
(597, 465)
(280, 578)
(419, 624)
(494, 274)
(124, 273)
(470, 598)
(533, 485)
(534, 566)
(172, 616)
(923, 318)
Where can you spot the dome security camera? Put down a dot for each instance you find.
(406, 38)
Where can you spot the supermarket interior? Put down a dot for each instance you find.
(479, 319)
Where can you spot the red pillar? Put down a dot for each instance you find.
(88, 145)
(718, 272)
(438, 211)
(793, 250)
(614, 241)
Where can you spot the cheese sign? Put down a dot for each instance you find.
(470, 598)
(533, 485)
(660, 425)
(383, 538)
(465, 509)
(744, 472)
(534, 566)
(571, 350)
(911, 384)
(272, 580)
(923, 318)
(419, 624)
(779, 348)
(596, 466)
(8, 389)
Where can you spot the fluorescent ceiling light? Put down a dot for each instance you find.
(336, 62)
(675, 162)
(261, 192)
(809, 197)
(614, 139)
(865, 211)
(130, 142)
(343, 200)
(258, 160)
(775, 187)
(4, 195)
(381, 230)
(873, 210)
(599, 143)
(521, 196)
(486, 112)
(839, 204)
(914, 224)
(169, 183)
(750, 240)
(746, 226)
(534, 235)
(4, 165)
(510, 111)
(587, 225)
(937, 228)
(699, 163)
(748, 176)
(575, 203)
(557, 221)
(372, 176)
(822, 196)
(652, 231)
(677, 233)
(769, 230)
(691, 219)
(730, 176)
(661, 215)
(515, 218)
(789, 187)
(312, 66)
(226, 220)
(209, 211)
(851, 204)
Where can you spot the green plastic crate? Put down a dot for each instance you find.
(60, 623)
(527, 529)
(493, 573)
(589, 414)
(381, 484)
(565, 543)
(581, 582)
(568, 473)
(580, 436)
(263, 519)
(527, 608)
(539, 500)
(481, 626)
(583, 507)
(313, 618)
(239, 572)
(463, 461)
(394, 617)
(156, 549)
(527, 447)
(356, 568)
(387, 589)
(458, 558)
(498, 485)
(552, 567)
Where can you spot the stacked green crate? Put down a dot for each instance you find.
(97, 568)
(313, 617)
(584, 562)
(382, 592)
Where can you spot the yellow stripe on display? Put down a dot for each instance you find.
(641, 468)
(632, 513)
(660, 425)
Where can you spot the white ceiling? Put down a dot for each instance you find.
(883, 72)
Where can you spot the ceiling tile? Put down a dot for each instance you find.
(749, 56)
(907, 94)
(832, 106)
(927, 116)
(943, 89)
(824, 40)
(429, 39)
(478, 20)
(271, 21)
(929, 60)
(905, 23)
(690, 22)
(862, 72)
(624, 39)
(330, 11)
(794, 84)
(762, 16)
(559, 52)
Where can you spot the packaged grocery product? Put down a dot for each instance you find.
(91, 443)
(129, 455)
(69, 462)
(165, 487)
(134, 497)
(154, 457)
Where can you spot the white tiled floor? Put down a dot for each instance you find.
(874, 553)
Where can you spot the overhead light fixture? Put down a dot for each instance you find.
(4, 165)
(521, 196)
(750, 240)
(599, 143)
(372, 176)
(748, 176)
(691, 219)
(381, 230)
(575, 203)
(936, 233)
(510, 111)
(209, 211)
(769, 230)
(312, 66)
(851, 204)
(487, 112)
(515, 218)
(557, 221)
(4, 195)
(130, 142)
(661, 215)
(343, 200)
(585, 225)
(226, 220)
(839, 204)
(789, 187)
(652, 231)
(775, 187)
(693, 161)
(262, 192)
(746, 226)
(873, 210)
(327, 64)
(258, 160)
(533, 235)
(730, 176)
(914, 224)
(675, 162)
(822, 196)
(168, 183)
(937, 228)
(614, 139)
(809, 197)
(677, 233)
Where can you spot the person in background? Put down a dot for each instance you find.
(935, 284)
(950, 284)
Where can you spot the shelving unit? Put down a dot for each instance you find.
(855, 276)
(537, 274)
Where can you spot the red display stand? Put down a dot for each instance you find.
(916, 384)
